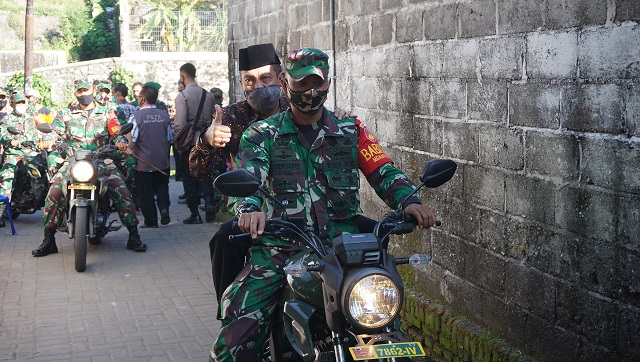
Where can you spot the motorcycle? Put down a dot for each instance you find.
(89, 205)
(342, 301)
(31, 181)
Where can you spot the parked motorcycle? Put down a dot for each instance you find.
(89, 205)
(31, 181)
(342, 301)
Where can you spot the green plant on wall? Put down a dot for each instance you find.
(124, 76)
(102, 40)
(38, 83)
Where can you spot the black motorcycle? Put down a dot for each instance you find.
(31, 181)
(342, 301)
(89, 205)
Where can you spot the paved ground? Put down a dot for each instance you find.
(153, 306)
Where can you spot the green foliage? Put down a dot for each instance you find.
(124, 76)
(101, 41)
(37, 82)
(16, 22)
(73, 25)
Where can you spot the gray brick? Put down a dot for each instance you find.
(359, 32)
(487, 101)
(427, 60)
(384, 63)
(449, 253)
(627, 332)
(390, 96)
(416, 96)
(611, 163)
(555, 155)
(546, 339)
(629, 221)
(440, 22)
(595, 108)
(485, 269)
(428, 135)
(530, 198)
(484, 187)
(632, 110)
(553, 253)
(409, 25)
(501, 57)
(535, 105)
(393, 128)
(460, 58)
(587, 212)
(477, 18)
(531, 290)
(518, 16)
(628, 281)
(458, 291)
(552, 55)
(460, 140)
(381, 29)
(449, 98)
(627, 10)
(501, 147)
(608, 53)
(568, 14)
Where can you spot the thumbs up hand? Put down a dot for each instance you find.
(217, 135)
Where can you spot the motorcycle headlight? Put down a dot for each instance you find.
(82, 171)
(371, 300)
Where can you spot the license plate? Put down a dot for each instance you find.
(402, 349)
(82, 187)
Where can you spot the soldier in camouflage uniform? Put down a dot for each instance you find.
(14, 145)
(311, 159)
(84, 126)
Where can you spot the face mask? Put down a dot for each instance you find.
(21, 109)
(3, 103)
(101, 98)
(169, 104)
(263, 99)
(309, 101)
(85, 100)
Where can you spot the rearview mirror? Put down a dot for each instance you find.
(125, 128)
(237, 183)
(438, 172)
(44, 128)
(13, 130)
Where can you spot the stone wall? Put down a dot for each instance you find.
(211, 71)
(13, 61)
(538, 102)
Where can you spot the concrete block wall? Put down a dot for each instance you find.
(539, 103)
(163, 68)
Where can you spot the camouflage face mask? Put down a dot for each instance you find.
(308, 101)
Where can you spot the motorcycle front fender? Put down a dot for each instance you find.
(81, 202)
(297, 315)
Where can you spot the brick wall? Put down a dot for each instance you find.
(539, 103)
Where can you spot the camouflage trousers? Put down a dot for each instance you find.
(248, 306)
(7, 174)
(56, 202)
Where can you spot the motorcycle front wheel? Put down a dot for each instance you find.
(80, 238)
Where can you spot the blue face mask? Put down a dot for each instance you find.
(264, 99)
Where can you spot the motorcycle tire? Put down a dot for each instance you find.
(80, 238)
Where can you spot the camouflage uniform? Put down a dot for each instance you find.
(26, 124)
(86, 130)
(320, 182)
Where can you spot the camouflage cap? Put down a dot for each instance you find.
(102, 84)
(81, 83)
(302, 62)
(17, 95)
(217, 92)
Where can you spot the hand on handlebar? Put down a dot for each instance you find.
(425, 218)
(15, 143)
(253, 223)
(122, 146)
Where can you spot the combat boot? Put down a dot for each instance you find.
(134, 243)
(48, 245)
(212, 206)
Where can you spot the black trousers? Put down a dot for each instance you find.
(176, 159)
(148, 185)
(228, 256)
(194, 188)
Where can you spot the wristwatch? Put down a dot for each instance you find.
(247, 208)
